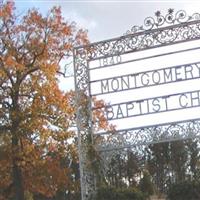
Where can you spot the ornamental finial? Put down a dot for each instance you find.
(160, 20)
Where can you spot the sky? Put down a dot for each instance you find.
(108, 19)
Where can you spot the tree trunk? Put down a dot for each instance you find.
(17, 173)
(16, 148)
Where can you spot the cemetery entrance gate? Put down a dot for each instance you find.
(149, 81)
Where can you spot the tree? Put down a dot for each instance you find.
(194, 157)
(173, 162)
(35, 115)
(158, 163)
(146, 185)
(179, 157)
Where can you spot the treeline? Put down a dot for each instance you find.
(167, 165)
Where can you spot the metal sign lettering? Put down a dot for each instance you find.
(149, 79)
(153, 105)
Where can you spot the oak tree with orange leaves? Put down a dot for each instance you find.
(35, 115)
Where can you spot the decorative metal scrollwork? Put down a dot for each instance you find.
(121, 142)
(171, 18)
(149, 135)
(172, 28)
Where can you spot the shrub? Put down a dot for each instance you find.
(146, 185)
(109, 193)
(186, 190)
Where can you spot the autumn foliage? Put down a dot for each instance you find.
(37, 146)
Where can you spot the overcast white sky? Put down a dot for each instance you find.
(107, 19)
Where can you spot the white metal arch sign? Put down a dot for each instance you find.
(150, 81)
